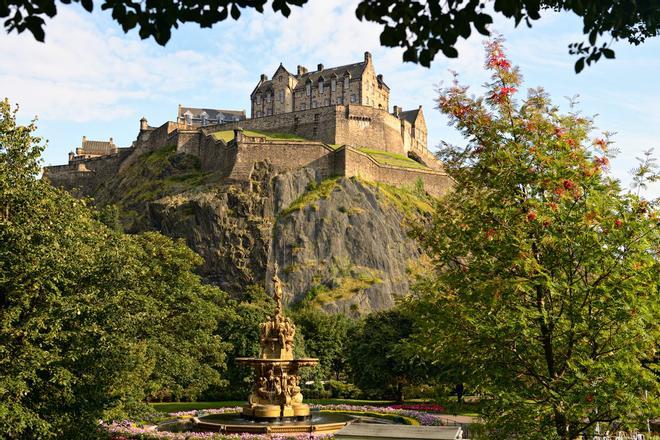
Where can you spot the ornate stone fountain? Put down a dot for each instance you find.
(276, 391)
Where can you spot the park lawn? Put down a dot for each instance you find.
(394, 159)
(227, 135)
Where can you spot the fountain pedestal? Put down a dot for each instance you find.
(276, 389)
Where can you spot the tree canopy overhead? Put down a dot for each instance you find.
(423, 28)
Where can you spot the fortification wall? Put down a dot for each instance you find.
(283, 156)
(83, 177)
(356, 163)
(361, 126)
(315, 124)
(355, 125)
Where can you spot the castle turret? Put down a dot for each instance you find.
(319, 67)
(143, 124)
(367, 57)
(72, 155)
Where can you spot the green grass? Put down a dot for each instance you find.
(314, 192)
(228, 135)
(409, 201)
(397, 160)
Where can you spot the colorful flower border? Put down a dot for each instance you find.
(126, 429)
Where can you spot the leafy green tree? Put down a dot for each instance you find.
(547, 273)
(239, 325)
(92, 321)
(422, 27)
(380, 361)
(326, 338)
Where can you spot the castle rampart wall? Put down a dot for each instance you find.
(316, 124)
(362, 126)
(83, 177)
(283, 156)
(356, 163)
(356, 125)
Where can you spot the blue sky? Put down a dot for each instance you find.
(90, 78)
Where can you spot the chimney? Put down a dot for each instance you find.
(264, 77)
(319, 67)
(71, 156)
(302, 70)
(110, 140)
(84, 138)
(397, 111)
(143, 124)
(367, 57)
(379, 77)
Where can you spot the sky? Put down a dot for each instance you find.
(90, 79)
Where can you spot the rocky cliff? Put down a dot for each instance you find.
(339, 243)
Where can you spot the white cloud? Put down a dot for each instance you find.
(86, 73)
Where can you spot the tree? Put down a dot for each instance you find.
(546, 273)
(326, 338)
(379, 359)
(422, 27)
(92, 321)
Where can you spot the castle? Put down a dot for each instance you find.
(335, 120)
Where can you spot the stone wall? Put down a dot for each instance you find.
(356, 163)
(282, 156)
(361, 126)
(83, 177)
(354, 125)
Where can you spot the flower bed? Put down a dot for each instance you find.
(429, 407)
(126, 430)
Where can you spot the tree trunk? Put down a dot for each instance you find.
(399, 392)
(561, 425)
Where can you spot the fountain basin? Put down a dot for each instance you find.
(318, 422)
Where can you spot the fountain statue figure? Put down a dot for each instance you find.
(276, 389)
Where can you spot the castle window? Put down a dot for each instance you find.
(309, 89)
(333, 85)
(269, 96)
(258, 98)
(321, 87)
(353, 99)
(326, 102)
(346, 80)
(281, 95)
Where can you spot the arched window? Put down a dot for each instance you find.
(346, 81)
(258, 98)
(281, 95)
(333, 85)
(321, 83)
(309, 89)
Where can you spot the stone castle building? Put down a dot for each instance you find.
(89, 148)
(200, 117)
(334, 120)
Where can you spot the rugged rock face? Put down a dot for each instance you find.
(339, 243)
